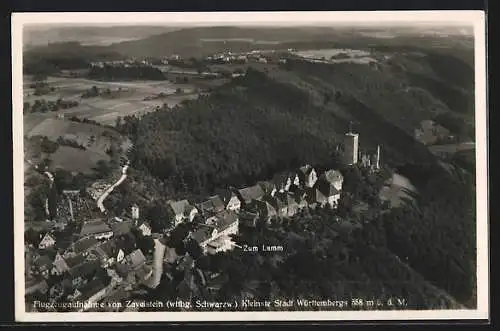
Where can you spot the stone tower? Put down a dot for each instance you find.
(351, 147)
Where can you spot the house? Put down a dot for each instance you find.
(133, 268)
(315, 198)
(329, 191)
(97, 229)
(106, 253)
(283, 181)
(307, 176)
(291, 204)
(279, 204)
(230, 200)
(334, 177)
(121, 228)
(145, 229)
(268, 187)
(91, 293)
(182, 211)
(300, 197)
(120, 255)
(42, 266)
(36, 285)
(62, 265)
(83, 245)
(47, 241)
(266, 210)
(215, 238)
(79, 274)
(249, 194)
(214, 204)
(249, 219)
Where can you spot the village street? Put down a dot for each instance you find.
(154, 280)
(100, 200)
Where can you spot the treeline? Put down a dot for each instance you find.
(126, 73)
(44, 106)
(63, 56)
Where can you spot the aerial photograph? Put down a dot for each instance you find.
(236, 168)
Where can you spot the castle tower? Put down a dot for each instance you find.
(377, 158)
(351, 147)
(135, 212)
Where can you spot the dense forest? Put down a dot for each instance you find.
(139, 72)
(250, 129)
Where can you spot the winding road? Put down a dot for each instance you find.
(154, 281)
(103, 196)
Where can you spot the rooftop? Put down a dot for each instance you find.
(179, 207)
(121, 228)
(84, 244)
(254, 192)
(94, 227)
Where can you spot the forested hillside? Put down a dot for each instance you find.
(252, 128)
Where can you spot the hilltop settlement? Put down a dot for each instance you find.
(97, 264)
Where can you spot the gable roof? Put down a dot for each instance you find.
(217, 203)
(136, 258)
(267, 209)
(267, 186)
(326, 188)
(248, 194)
(280, 179)
(75, 260)
(225, 194)
(84, 244)
(225, 220)
(314, 195)
(306, 169)
(91, 288)
(107, 249)
(43, 261)
(144, 223)
(179, 207)
(121, 228)
(332, 176)
(94, 227)
(48, 236)
(84, 269)
(202, 234)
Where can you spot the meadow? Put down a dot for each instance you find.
(106, 109)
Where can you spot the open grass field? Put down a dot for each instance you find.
(104, 109)
(76, 160)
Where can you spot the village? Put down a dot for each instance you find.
(98, 262)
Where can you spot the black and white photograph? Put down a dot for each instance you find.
(239, 166)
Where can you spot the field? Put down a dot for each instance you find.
(105, 109)
(76, 160)
(337, 56)
(96, 139)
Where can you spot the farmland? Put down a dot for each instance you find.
(105, 109)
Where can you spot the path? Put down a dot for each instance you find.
(154, 281)
(103, 196)
(51, 177)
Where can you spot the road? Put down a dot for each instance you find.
(103, 196)
(154, 281)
